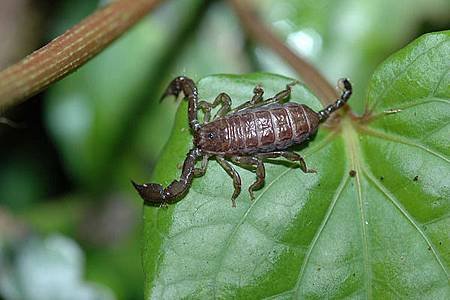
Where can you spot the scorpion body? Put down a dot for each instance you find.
(246, 135)
(257, 130)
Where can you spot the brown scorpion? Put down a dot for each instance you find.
(246, 135)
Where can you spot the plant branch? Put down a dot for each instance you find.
(70, 50)
(258, 31)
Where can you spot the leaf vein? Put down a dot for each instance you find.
(315, 149)
(403, 211)
(336, 196)
(399, 140)
(438, 219)
(273, 239)
(403, 71)
(410, 104)
(439, 82)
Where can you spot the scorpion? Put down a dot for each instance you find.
(246, 135)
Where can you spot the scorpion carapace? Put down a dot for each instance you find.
(246, 135)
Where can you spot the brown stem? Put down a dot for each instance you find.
(261, 33)
(70, 50)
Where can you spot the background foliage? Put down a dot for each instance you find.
(65, 169)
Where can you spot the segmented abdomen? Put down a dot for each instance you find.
(265, 129)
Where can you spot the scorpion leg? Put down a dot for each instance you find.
(225, 100)
(186, 86)
(233, 174)
(281, 96)
(257, 95)
(202, 170)
(206, 108)
(222, 99)
(291, 156)
(260, 171)
(155, 194)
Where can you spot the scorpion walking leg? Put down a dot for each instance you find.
(225, 100)
(222, 99)
(154, 193)
(202, 170)
(281, 96)
(292, 156)
(235, 175)
(186, 86)
(206, 108)
(258, 92)
(260, 171)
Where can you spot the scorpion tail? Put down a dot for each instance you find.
(185, 85)
(152, 193)
(155, 194)
(346, 87)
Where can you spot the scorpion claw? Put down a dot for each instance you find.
(175, 88)
(171, 91)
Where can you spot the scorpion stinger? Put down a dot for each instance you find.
(155, 194)
(346, 87)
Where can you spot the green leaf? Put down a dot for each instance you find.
(382, 233)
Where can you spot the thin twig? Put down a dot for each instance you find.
(70, 50)
(258, 31)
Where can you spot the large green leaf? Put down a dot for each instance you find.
(381, 233)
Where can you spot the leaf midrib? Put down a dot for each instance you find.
(326, 140)
(354, 152)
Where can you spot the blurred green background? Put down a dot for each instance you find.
(70, 222)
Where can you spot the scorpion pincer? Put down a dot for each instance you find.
(246, 135)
